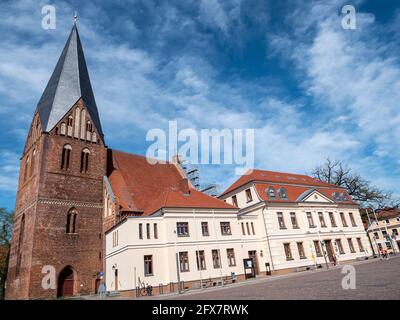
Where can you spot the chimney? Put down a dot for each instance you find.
(184, 186)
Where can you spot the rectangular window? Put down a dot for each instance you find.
(226, 228)
(376, 235)
(243, 231)
(182, 229)
(184, 261)
(343, 218)
(248, 228)
(317, 247)
(353, 222)
(204, 229)
(155, 230)
(288, 252)
(310, 220)
(248, 195)
(231, 257)
(332, 218)
(388, 245)
(281, 221)
(148, 265)
(360, 245)
(234, 201)
(322, 219)
(293, 218)
(201, 260)
(252, 228)
(148, 230)
(395, 232)
(140, 231)
(300, 248)
(351, 246)
(340, 246)
(216, 259)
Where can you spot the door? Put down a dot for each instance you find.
(96, 286)
(66, 283)
(329, 250)
(253, 256)
(116, 280)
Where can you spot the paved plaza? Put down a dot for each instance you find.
(375, 279)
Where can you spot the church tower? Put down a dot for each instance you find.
(57, 241)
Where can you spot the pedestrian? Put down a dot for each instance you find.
(102, 291)
(386, 255)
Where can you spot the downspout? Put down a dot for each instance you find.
(266, 234)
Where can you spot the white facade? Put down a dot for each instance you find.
(273, 237)
(255, 231)
(126, 250)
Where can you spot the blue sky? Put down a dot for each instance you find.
(309, 88)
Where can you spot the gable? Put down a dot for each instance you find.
(314, 196)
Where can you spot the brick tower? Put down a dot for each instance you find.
(58, 214)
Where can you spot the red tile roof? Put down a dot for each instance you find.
(295, 192)
(387, 213)
(295, 185)
(143, 187)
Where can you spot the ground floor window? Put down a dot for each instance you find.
(148, 265)
(201, 260)
(216, 259)
(351, 246)
(184, 261)
(360, 245)
(231, 257)
(317, 247)
(300, 248)
(288, 252)
(340, 246)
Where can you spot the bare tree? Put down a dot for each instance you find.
(361, 190)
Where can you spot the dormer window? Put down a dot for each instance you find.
(336, 196)
(270, 192)
(283, 193)
(249, 197)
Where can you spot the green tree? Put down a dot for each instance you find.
(5, 239)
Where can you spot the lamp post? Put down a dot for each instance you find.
(178, 276)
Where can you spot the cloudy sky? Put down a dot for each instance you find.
(288, 69)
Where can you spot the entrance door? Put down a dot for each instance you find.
(329, 249)
(66, 283)
(253, 255)
(116, 280)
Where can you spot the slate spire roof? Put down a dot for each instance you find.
(69, 82)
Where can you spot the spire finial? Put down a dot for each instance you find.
(75, 17)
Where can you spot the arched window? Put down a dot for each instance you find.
(63, 129)
(70, 119)
(271, 192)
(283, 193)
(26, 168)
(66, 154)
(33, 162)
(71, 221)
(20, 243)
(88, 126)
(85, 160)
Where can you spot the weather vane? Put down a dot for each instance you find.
(75, 17)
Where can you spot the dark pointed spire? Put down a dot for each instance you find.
(69, 82)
